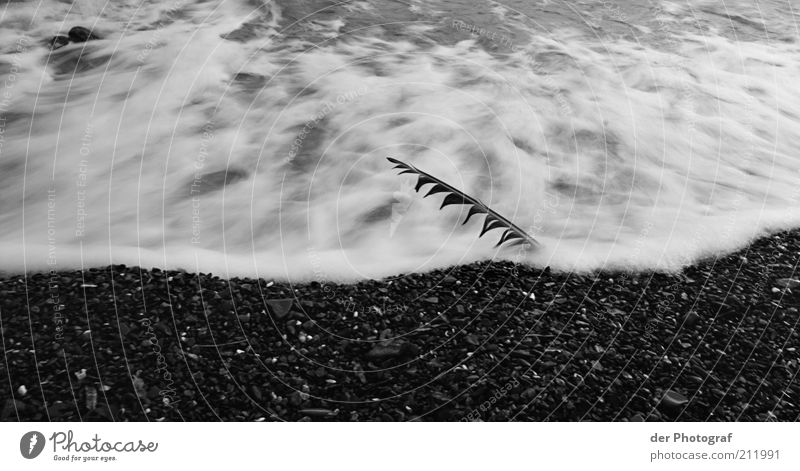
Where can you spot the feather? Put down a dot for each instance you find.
(453, 198)
(472, 211)
(437, 189)
(490, 223)
(513, 235)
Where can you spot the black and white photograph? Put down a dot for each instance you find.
(431, 211)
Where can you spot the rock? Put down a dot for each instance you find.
(279, 307)
(359, 372)
(58, 41)
(691, 319)
(788, 283)
(409, 350)
(382, 352)
(674, 400)
(91, 398)
(139, 387)
(12, 406)
(296, 398)
(393, 350)
(81, 374)
(325, 413)
(79, 34)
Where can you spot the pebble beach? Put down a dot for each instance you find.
(481, 342)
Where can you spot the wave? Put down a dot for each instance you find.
(250, 138)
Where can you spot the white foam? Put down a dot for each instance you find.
(612, 155)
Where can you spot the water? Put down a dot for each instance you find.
(250, 138)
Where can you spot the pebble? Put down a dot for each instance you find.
(691, 319)
(280, 307)
(91, 398)
(788, 283)
(319, 412)
(79, 34)
(58, 41)
(673, 399)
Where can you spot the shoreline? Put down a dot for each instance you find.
(717, 341)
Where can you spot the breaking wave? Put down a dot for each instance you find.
(249, 138)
